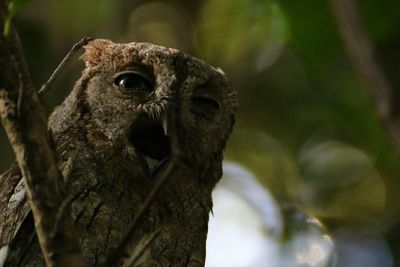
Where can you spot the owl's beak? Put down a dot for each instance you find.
(165, 124)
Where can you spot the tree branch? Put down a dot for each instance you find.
(46, 86)
(360, 51)
(25, 124)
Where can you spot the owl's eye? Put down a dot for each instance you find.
(205, 107)
(130, 82)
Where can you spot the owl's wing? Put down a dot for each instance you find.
(15, 215)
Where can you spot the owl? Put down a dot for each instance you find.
(113, 136)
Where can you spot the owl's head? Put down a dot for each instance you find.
(131, 87)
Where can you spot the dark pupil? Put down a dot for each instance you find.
(132, 82)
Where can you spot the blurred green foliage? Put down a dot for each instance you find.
(305, 123)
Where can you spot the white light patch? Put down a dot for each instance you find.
(315, 254)
(308, 249)
(238, 234)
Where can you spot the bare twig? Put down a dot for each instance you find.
(120, 249)
(360, 50)
(23, 118)
(141, 249)
(46, 86)
(165, 174)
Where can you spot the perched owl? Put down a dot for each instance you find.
(111, 142)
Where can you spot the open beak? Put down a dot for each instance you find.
(151, 142)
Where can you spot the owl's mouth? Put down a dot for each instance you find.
(151, 144)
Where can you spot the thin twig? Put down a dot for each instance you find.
(360, 50)
(120, 249)
(142, 249)
(46, 86)
(172, 164)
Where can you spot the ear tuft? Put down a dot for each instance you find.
(94, 51)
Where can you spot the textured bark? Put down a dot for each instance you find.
(102, 134)
(25, 124)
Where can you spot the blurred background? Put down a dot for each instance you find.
(311, 178)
